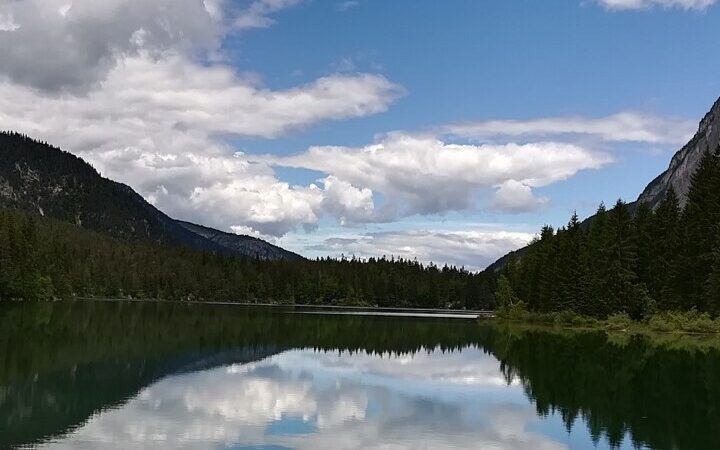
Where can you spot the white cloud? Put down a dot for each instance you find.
(472, 249)
(135, 87)
(645, 4)
(515, 196)
(72, 44)
(437, 399)
(7, 23)
(257, 15)
(347, 202)
(152, 123)
(621, 127)
(424, 175)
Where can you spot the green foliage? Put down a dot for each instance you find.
(516, 311)
(504, 295)
(619, 321)
(630, 260)
(688, 321)
(42, 259)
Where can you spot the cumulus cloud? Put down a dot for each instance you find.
(473, 249)
(72, 44)
(621, 127)
(154, 124)
(137, 88)
(54, 44)
(425, 175)
(347, 202)
(436, 399)
(645, 4)
(515, 196)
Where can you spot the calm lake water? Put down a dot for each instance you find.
(100, 375)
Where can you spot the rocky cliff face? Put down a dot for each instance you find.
(685, 161)
(45, 180)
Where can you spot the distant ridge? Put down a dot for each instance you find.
(45, 180)
(241, 244)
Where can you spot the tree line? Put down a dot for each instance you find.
(42, 258)
(629, 259)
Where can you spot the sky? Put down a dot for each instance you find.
(443, 131)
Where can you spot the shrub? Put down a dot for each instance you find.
(515, 311)
(690, 321)
(566, 317)
(620, 321)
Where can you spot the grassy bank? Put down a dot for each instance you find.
(682, 322)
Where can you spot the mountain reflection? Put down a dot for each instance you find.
(148, 375)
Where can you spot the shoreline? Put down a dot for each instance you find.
(313, 309)
(667, 323)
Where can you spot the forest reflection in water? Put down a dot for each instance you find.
(163, 375)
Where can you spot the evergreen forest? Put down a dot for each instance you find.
(42, 258)
(628, 259)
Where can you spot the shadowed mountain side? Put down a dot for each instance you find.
(241, 244)
(45, 180)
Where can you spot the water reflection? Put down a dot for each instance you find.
(306, 399)
(127, 375)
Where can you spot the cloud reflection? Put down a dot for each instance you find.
(303, 399)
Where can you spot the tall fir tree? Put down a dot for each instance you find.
(699, 223)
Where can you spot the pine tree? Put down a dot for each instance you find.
(547, 269)
(626, 292)
(699, 221)
(596, 260)
(712, 284)
(572, 273)
(665, 265)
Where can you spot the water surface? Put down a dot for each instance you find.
(98, 375)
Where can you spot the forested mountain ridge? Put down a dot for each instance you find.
(42, 258)
(678, 175)
(45, 180)
(637, 261)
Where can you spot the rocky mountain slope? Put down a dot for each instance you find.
(685, 161)
(678, 175)
(37, 177)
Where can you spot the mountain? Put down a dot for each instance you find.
(39, 178)
(685, 161)
(241, 244)
(678, 175)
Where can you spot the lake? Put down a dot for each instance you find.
(142, 375)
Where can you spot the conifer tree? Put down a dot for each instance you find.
(665, 264)
(699, 221)
(712, 284)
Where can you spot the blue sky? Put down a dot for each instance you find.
(447, 131)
